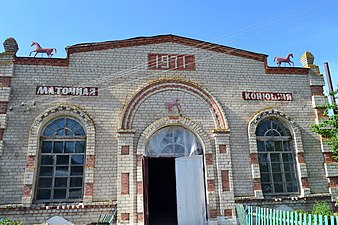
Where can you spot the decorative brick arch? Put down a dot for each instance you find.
(161, 85)
(268, 113)
(166, 121)
(149, 132)
(297, 144)
(34, 146)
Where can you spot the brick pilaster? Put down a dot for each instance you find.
(6, 74)
(318, 100)
(127, 187)
(224, 181)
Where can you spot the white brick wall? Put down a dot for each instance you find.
(122, 72)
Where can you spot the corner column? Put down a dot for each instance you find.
(319, 99)
(126, 178)
(224, 180)
(6, 74)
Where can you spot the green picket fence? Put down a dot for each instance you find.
(265, 216)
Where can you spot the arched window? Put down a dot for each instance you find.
(173, 141)
(276, 158)
(61, 161)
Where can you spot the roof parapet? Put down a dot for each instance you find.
(307, 60)
(11, 46)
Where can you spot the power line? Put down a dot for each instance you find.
(205, 45)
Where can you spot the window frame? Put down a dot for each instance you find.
(64, 139)
(287, 138)
(174, 153)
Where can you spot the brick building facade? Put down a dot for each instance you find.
(108, 127)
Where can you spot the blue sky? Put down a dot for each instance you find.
(275, 28)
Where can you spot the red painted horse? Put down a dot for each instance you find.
(170, 106)
(284, 60)
(38, 49)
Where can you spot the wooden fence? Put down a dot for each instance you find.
(264, 216)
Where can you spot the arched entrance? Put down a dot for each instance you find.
(173, 178)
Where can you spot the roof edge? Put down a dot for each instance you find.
(139, 41)
(287, 70)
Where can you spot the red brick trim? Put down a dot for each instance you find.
(30, 161)
(139, 160)
(172, 83)
(317, 90)
(173, 117)
(225, 180)
(301, 158)
(211, 185)
(125, 150)
(256, 184)
(139, 41)
(223, 149)
(139, 217)
(208, 159)
(320, 113)
(254, 158)
(305, 182)
(27, 190)
(228, 212)
(90, 161)
(41, 61)
(5, 81)
(287, 70)
(328, 157)
(333, 181)
(89, 189)
(3, 107)
(139, 187)
(125, 216)
(188, 66)
(1, 133)
(213, 213)
(125, 183)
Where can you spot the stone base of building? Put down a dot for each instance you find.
(76, 213)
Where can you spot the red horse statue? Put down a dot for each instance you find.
(284, 60)
(38, 49)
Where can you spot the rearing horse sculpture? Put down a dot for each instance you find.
(38, 49)
(284, 60)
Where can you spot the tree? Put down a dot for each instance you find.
(328, 126)
(7, 221)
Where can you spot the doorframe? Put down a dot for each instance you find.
(145, 186)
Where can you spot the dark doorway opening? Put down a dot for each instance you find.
(162, 191)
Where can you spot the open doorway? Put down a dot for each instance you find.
(162, 191)
(173, 179)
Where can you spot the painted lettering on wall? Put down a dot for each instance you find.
(171, 62)
(267, 96)
(60, 90)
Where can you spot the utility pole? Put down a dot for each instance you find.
(330, 86)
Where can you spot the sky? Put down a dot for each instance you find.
(274, 28)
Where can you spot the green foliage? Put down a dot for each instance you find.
(7, 221)
(328, 127)
(322, 208)
(301, 211)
